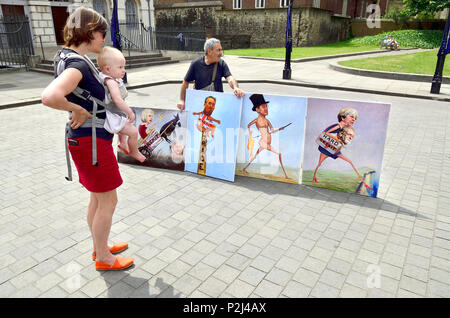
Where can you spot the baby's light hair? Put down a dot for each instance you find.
(107, 56)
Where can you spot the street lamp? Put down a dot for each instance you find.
(443, 50)
(288, 43)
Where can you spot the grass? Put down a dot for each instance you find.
(302, 52)
(426, 39)
(417, 63)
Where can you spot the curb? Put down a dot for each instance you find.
(318, 58)
(386, 75)
(277, 82)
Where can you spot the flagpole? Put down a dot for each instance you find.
(288, 43)
(443, 50)
(115, 32)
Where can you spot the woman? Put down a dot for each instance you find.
(346, 119)
(84, 33)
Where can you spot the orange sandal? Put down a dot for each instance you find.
(119, 264)
(116, 248)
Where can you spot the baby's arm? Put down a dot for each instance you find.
(114, 91)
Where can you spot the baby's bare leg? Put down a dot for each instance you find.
(131, 131)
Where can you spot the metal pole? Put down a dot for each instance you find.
(288, 44)
(437, 78)
(150, 24)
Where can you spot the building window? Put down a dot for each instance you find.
(100, 7)
(237, 4)
(284, 3)
(260, 3)
(130, 12)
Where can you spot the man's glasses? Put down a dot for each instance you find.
(103, 32)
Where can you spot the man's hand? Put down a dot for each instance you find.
(180, 105)
(238, 92)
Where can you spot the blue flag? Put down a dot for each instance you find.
(445, 44)
(447, 50)
(288, 34)
(115, 32)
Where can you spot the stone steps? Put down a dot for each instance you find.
(135, 61)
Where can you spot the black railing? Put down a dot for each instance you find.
(16, 43)
(181, 40)
(137, 36)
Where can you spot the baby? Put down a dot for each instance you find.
(112, 65)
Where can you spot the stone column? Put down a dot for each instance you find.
(41, 21)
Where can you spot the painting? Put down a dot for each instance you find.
(213, 120)
(161, 138)
(344, 145)
(272, 137)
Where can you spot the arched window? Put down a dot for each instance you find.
(100, 7)
(131, 12)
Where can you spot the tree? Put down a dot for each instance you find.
(426, 7)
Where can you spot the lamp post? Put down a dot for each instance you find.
(288, 43)
(443, 50)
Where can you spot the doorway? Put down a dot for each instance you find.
(60, 16)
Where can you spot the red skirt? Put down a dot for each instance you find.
(101, 178)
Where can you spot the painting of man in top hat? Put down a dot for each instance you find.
(287, 115)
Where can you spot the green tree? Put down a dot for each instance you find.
(424, 7)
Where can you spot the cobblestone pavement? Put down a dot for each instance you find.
(194, 236)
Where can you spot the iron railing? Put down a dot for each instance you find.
(16, 42)
(136, 36)
(180, 39)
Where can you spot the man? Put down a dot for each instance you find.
(202, 69)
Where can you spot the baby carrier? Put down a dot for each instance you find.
(59, 64)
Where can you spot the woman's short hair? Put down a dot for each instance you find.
(81, 25)
(209, 44)
(145, 114)
(344, 112)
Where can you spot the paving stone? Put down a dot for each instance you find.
(239, 289)
(324, 291)
(252, 276)
(306, 277)
(349, 291)
(212, 287)
(267, 289)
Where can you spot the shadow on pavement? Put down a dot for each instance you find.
(306, 192)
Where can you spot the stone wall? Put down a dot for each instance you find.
(256, 27)
(42, 22)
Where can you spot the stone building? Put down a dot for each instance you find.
(48, 17)
(350, 8)
(261, 23)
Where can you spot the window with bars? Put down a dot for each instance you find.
(260, 3)
(237, 4)
(130, 12)
(284, 3)
(100, 7)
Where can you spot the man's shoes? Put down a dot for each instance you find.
(116, 248)
(119, 264)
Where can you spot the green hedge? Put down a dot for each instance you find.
(423, 39)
